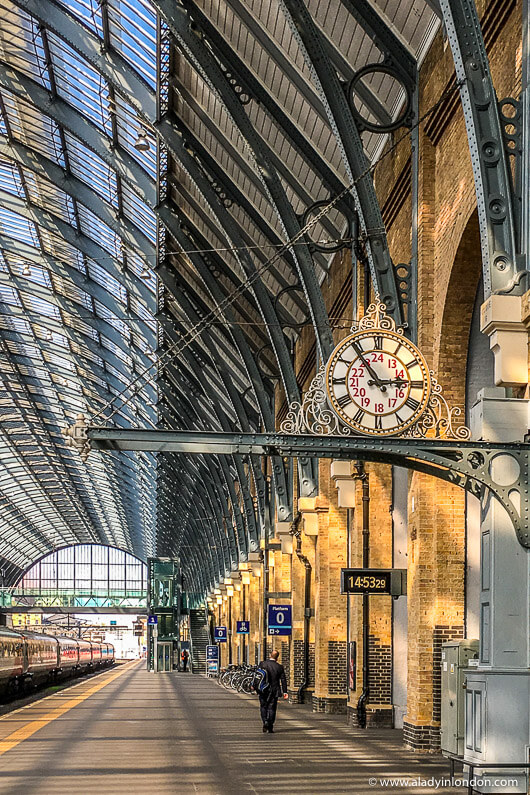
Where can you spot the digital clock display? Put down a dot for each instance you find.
(361, 581)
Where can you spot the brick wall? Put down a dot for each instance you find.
(380, 674)
(337, 668)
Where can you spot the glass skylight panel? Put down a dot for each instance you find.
(88, 11)
(129, 125)
(17, 227)
(39, 307)
(33, 128)
(86, 353)
(101, 276)
(78, 82)
(79, 325)
(20, 266)
(137, 265)
(8, 295)
(67, 288)
(45, 195)
(21, 43)
(10, 178)
(137, 211)
(133, 33)
(57, 247)
(86, 375)
(35, 372)
(117, 374)
(117, 351)
(91, 169)
(93, 227)
(59, 361)
(113, 320)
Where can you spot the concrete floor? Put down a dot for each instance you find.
(135, 733)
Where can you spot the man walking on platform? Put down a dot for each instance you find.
(277, 685)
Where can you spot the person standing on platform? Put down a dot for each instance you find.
(185, 657)
(268, 699)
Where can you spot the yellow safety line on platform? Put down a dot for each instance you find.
(30, 728)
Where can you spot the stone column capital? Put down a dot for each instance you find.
(310, 507)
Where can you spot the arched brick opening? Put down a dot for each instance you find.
(457, 313)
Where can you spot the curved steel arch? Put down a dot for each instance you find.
(179, 23)
(224, 421)
(345, 130)
(241, 534)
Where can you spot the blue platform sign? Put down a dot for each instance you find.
(152, 619)
(280, 620)
(212, 660)
(212, 653)
(219, 634)
(243, 628)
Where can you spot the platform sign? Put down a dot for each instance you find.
(280, 620)
(152, 620)
(212, 660)
(212, 653)
(220, 634)
(242, 628)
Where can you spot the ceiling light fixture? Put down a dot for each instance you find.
(26, 270)
(142, 144)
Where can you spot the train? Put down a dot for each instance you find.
(29, 659)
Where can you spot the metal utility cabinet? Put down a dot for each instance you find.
(455, 659)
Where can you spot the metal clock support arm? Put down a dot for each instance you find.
(468, 465)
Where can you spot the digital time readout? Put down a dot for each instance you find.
(374, 581)
(362, 581)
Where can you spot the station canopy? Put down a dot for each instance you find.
(154, 158)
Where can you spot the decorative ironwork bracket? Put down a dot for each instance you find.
(314, 415)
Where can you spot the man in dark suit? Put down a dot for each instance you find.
(268, 701)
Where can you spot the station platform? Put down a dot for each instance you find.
(129, 732)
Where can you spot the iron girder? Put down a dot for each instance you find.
(471, 465)
(504, 268)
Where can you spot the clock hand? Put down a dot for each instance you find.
(377, 381)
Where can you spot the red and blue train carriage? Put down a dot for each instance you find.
(31, 659)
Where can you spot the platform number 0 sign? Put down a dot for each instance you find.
(280, 619)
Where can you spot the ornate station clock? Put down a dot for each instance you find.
(377, 381)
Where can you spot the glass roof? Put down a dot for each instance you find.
(83, 185)
(77, 299)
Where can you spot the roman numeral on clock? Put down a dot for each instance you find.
(359, 416)
(411, 363)
(339, 380)
(378, 343)
(416, 384)
(344, 401)
(412, 403)
(378, 423)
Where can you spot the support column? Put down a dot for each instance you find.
(498, 691)
(326, 522)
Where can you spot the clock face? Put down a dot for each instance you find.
(377, 382)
